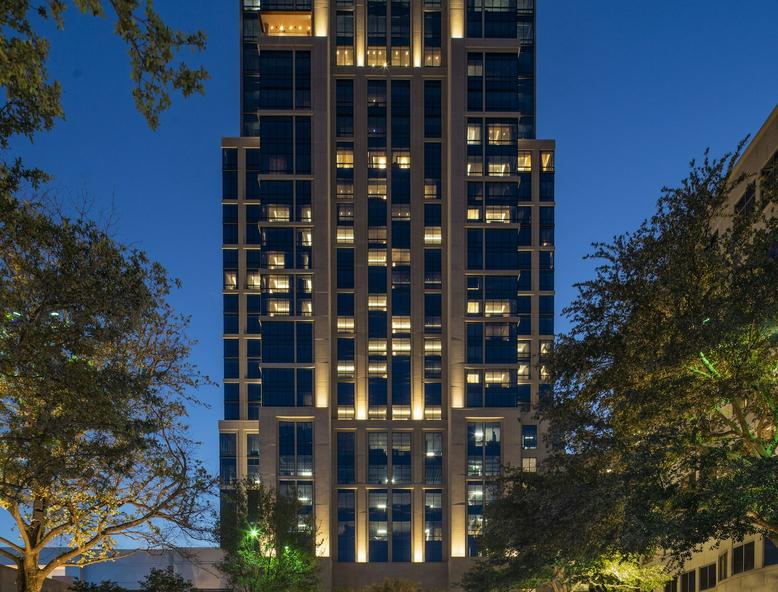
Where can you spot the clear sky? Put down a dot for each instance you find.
(631, 91)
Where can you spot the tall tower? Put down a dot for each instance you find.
(388, 272)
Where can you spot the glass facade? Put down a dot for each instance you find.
(388, 268)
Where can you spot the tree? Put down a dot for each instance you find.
(32, 100)
(165, 580)
(94, 379)
(668, 376)
(664, 417)
(564, 528)
(272, 546)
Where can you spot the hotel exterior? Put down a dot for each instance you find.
(388, 289)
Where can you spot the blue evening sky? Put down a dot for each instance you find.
(631, 91)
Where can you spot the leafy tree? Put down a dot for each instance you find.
(669, 371)
(104, 586)
(32, 101)
(393, 585)
(270, 549)
(562, 527)
(165, 580)
(94, 379)
(664, 418)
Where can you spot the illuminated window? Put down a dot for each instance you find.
(529, 465)
(305, 237)
(499, 168)
(475, 166)
(401, 412)
(502, 377)
(498, 214)
(473, 378)
(304, 213)
(501, 134)
(345, 324)
(524, 161)
(277, 213)
(473, 214)
(522, 349)
(275, 284)
(376, 57)
(230, 280)
(430, 191)
(474, 133)
(433, 235)
(522, 370)
(400, 345)
(401, 257)
(376, 302)
(376, 160)
(401, 56)
(277, 307)
(497, 308)
(345, 369)
(473, 307)
(545, 373)
(432, 56)
(276, 260)
(345, 160)
(433, 346)
(401, 160)
(376, 188)
(305, 307)
(401, 324)
(401, 212)
(344, 56)
(376, 257)
(546, 161)
(345, 234)
(253, 280)
(345, 190)
(377, 369)
(377, 346)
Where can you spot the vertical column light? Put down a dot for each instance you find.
(320, 18)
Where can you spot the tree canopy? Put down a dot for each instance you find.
(94, 382)
(664, 417)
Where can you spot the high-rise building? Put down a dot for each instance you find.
(388, 272)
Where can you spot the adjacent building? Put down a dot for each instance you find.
(388, 258)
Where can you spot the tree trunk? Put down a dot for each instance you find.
(28, 577)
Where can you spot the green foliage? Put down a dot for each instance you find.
(669, 374)
(164, 580)
(271, 549)
(94, 379)
(104, 586)
(664, 419)
(32, 101)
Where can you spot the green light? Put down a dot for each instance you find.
(253, 532)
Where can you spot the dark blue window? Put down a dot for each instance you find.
(432, 394)
(346, 457)
(475, 338)
(278, 342)
(231, 400)
(275, 80)
(278, 387)
(345, 394)
(346, 525)
(546, 270)
(377, 457)
(345, 268)
(276, 154)
(231, 310)
(401, 457)
(401, 525)
(546, 315)
(305, 342)
(401, 116)
(231, 358)
(254, 395)
(401, 380)
(230, 224)
(344, 108)
(432, 109)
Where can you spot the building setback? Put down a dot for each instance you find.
(388, 220)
